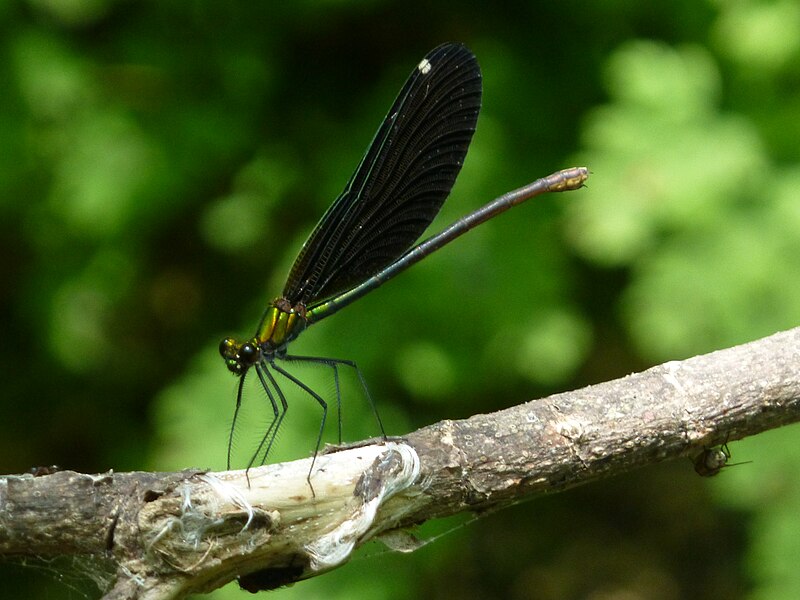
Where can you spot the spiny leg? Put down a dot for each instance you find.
(320, 401)
(333, 365)
(333, 362)
(235, 416)
(338, 403)
(278, 413)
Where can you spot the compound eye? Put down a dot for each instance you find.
(227, 348)
(249, 353)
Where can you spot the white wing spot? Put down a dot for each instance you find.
(425, 66)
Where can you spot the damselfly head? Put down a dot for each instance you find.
(239, 356)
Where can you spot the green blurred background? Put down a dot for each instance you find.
(162, 162)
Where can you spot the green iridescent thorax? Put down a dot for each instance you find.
(280, 324)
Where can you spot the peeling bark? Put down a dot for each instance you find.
(171, 534)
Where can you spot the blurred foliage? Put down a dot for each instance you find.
(163, 162)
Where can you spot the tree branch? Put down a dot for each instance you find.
(171, 534)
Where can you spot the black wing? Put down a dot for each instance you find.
(400, 184)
